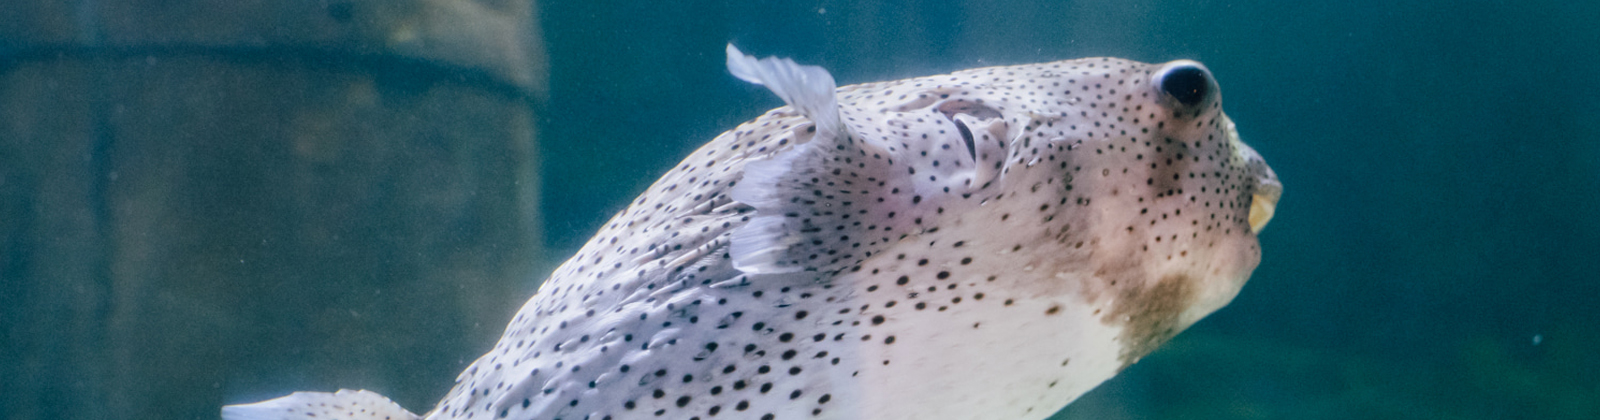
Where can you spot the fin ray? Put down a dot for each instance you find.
(809, 89)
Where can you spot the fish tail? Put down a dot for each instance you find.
(342, 405)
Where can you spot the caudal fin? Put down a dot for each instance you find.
(342, 405)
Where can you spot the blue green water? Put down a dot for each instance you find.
(1433, 254)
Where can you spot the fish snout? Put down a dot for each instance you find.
(1267, 188)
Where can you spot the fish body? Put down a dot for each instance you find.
(991, 243)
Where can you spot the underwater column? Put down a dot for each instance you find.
(205, 203)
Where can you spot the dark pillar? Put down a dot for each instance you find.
(207, 202)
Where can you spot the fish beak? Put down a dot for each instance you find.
(1264, 201)
(1263, 204)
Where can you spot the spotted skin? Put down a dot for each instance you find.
(986, 244)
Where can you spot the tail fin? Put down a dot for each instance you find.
(343, 405)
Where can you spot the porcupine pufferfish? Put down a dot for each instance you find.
(987, 244)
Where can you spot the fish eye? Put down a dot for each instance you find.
(1188, 83)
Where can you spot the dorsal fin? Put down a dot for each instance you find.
(809, 89)
(828, 203)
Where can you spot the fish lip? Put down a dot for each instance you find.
(1267, 189)
(1264, 204)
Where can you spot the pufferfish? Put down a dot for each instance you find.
(986, 244)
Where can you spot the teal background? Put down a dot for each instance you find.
(1433, 255)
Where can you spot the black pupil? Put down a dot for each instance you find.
(1187, 85)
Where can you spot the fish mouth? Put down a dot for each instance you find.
(1263, 204)
(1264, 200)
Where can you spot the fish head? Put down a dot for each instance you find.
(1169, 200)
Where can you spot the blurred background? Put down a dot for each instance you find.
(205, 203)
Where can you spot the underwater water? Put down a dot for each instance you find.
(177, 231)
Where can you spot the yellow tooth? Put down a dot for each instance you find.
(1261, 208)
